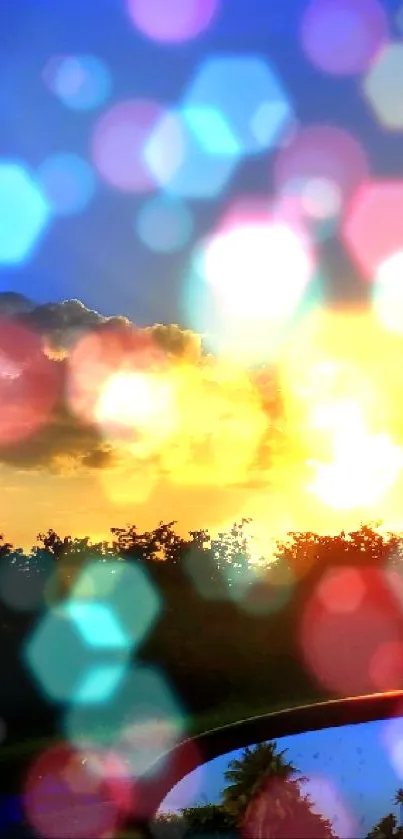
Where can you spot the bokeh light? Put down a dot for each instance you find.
(362, 621)
(252, 121)
(387, 293)
(330, 802)
(343, 37)
(117, 379)
(79, 674)
(65, 799)
(392, 738)
(24, 214)
(383, 87)
(164, 224)
(110, 586)
(140, 723)
(321, 166)
(172, 21)
(30, 383)
(248, 281)
(182, 162)
(119, 142)
(23, 581)
(372, 229)
(81, 82)
(68, 182)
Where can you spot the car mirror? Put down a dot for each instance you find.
(341, 780)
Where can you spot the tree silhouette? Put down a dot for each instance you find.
(265, 800)
(399, 801)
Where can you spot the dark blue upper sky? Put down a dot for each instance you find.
(94, 255)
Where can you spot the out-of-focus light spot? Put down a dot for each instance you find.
(118, 379)
(82, 82)
(29, 383)
(99, 683)
(24, 213)
(248, 123)
(392, 737)
(119, 144)
(386, 666)
(68, 183)
(62, 662)
(258, 271)
(341, 590)
(248, 281)
(172, 21)
(387, 293)
(363, 468)
(343, 38)
(23, 581)
(180, 160)
(164, 224)
(141, 722)
(383, 87)
(322, 166)
(329, 802)
(320, 198)
(97, 624)
(65, 799)
(111, 585)
(265, 593)
(255, 276)
(137, 410)
(372, 229)
(211, 130)
(375, 622)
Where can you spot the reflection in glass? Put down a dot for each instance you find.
(344, 782)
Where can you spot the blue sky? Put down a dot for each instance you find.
(94, 255)
(352, 759)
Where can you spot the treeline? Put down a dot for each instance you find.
(228, 631)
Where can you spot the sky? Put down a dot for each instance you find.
(231, 171)
(352, 775)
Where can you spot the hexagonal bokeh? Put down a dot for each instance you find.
(124, 591)
(248, 122)
(24, 213)
(383, 86)
(372, 228)
(141, 722)
(66, 666)
(188, 162)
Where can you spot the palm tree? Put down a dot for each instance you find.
(398, 799)
(264, 797)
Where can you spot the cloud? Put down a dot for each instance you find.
(208, 424)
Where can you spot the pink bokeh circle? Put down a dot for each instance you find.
(172, 21)
(119, 142)
(342, 37)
